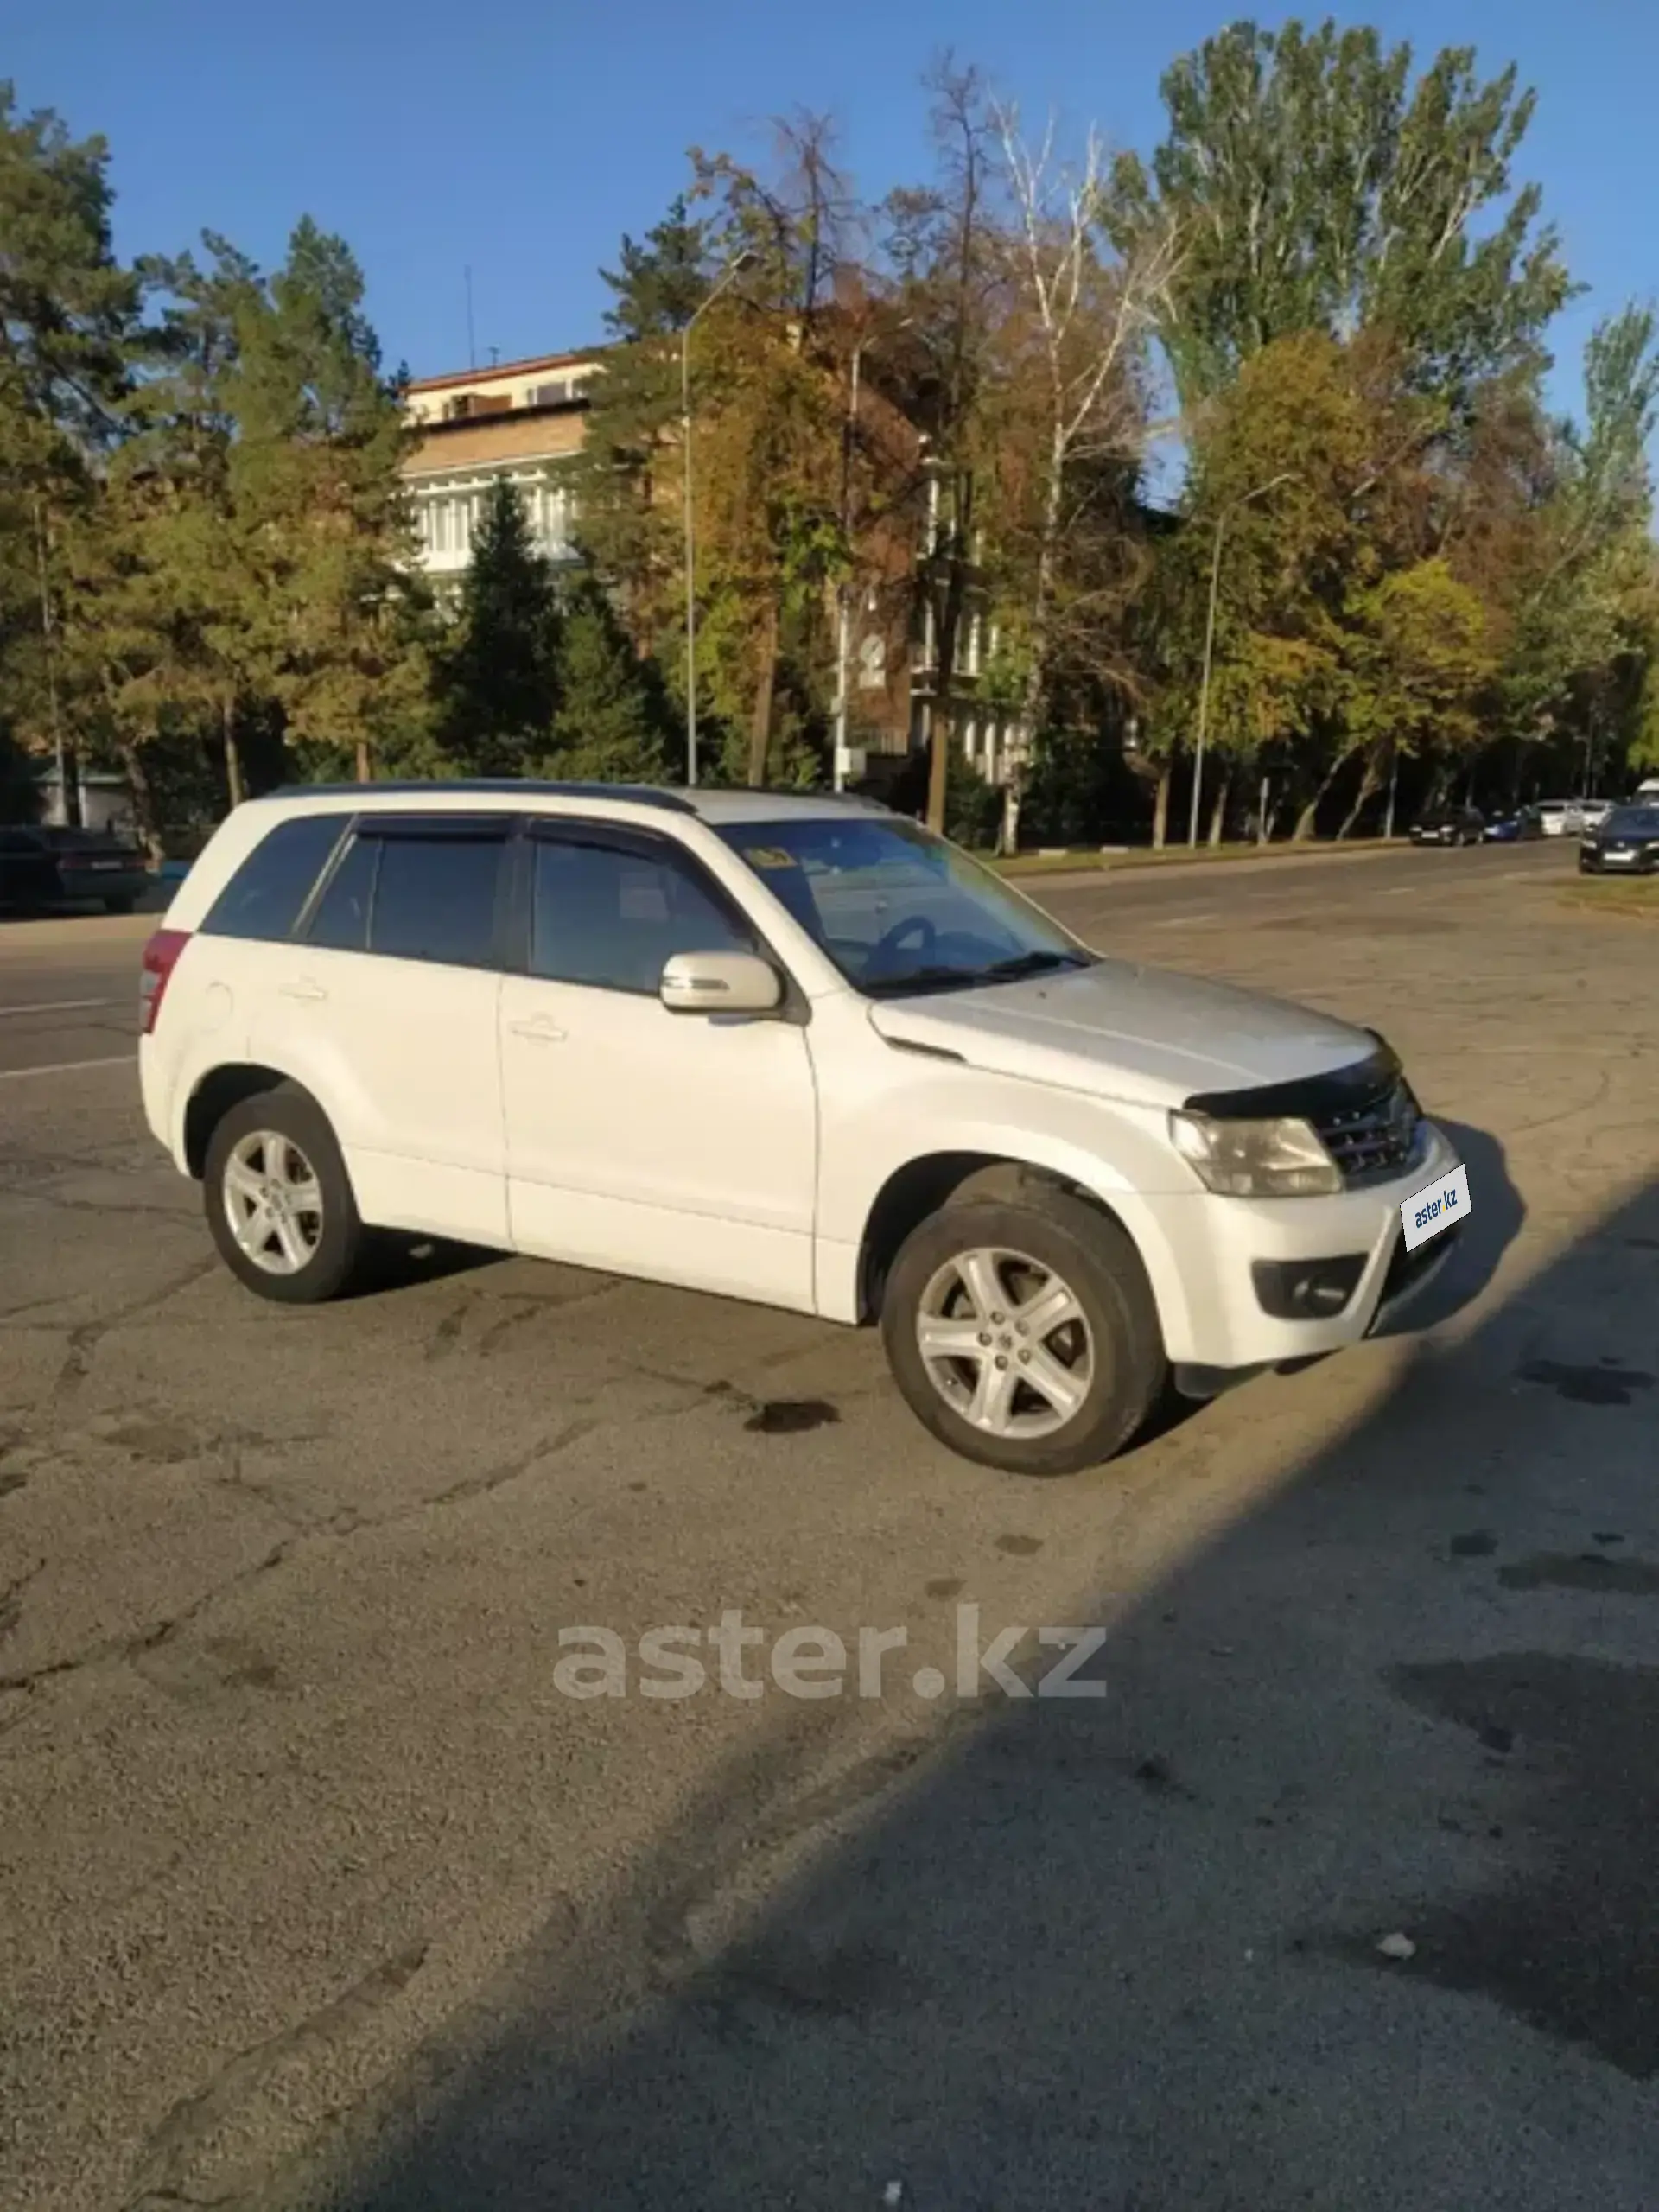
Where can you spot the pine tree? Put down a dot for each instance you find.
(498, 682)
(319, 500)
(609, 727)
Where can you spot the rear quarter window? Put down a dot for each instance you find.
(265, 897)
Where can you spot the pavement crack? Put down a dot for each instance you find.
(84, 1338)
(11, 1599)
(191, 2130)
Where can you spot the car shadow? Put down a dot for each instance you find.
(394, 1260)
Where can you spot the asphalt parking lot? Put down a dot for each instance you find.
(317, 1890)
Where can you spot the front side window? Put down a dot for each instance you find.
(265, 897)
(613, 916)
(897, 909)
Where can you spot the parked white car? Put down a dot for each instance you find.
(792, 1050)
(1558, 817)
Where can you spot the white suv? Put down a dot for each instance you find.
(789, 1049)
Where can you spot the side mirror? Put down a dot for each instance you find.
(720, 982)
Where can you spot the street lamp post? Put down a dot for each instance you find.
(734, 267)
(1232, 508)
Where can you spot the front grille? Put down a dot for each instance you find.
(1374, 1139)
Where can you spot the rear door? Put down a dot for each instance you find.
(676, 1146)
(387, 1005)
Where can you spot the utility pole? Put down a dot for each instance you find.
(734, 267)
(843, 597)
(68, 802)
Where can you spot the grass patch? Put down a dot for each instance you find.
(1186, 856)
(1636, 895)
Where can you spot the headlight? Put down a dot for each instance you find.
(1256, 1159)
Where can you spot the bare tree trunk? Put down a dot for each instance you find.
(143, 796)
(233, 782)
(1160, 807)
(1369, 783)
(1309, 815)
(1218, 810)
(765, 688)
(365, 761)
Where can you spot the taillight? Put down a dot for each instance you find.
(161, 957)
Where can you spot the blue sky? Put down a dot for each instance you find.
(523, 139)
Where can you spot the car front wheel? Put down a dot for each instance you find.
(1024, 1334)
(278, 1199)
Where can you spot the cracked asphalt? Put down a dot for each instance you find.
(317, 1890)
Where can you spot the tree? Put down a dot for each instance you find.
(1072, 422)
(1316, 187)
(629, 530)
(608, 727)
(1417, 662)
(949, 262)
(498, 682)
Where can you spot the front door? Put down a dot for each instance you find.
(680, 1146)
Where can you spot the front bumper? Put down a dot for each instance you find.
(1205, 1278)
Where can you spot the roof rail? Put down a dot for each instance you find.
(491, 787)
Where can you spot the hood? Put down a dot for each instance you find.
(1122, 1031)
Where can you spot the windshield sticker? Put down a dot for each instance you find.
(768, 856)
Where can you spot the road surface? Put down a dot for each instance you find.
(318, 1890)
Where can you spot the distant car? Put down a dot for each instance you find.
(1556, 817)
(1592, 812)
(1649, 789)
(1627, 842)
(1513, 828)
(47, 866)
(1450, 825)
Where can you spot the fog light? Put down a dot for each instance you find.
(1307, 1290)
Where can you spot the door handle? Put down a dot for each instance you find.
(304, 988)
(540, 1031)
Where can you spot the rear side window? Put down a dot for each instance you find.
(436, 899)
(264, 898)
(412, 894)
(341, 919)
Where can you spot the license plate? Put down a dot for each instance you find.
(1435, 1207)
(105, 864)
(1618, 858)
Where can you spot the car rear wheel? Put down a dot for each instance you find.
(278, 1199)
(1024, 1334)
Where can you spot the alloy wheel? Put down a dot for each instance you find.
(1005, 1342)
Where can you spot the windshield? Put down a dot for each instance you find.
(898, 910)
(1633, 822)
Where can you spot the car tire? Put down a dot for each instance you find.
(1112, 1353)
(119, 906)
(280, 1141)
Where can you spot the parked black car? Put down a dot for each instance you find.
(1626, 843)
(1452, 825)
(43, 866)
